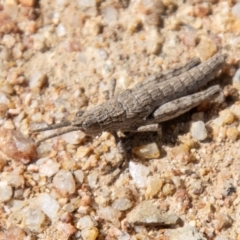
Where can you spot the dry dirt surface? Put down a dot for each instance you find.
(57, 58)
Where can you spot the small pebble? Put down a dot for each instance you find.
(108, 68)
(11, 2)
(147, 151)
(32, 218)
(66, 217)
(76, 137)
(86, 200)
(16, 53)
(64, 181)
(16, 147)
(13, 233)
(122, 204)
(153, 19)
(182, 233)
(3, 110)
(103, 54)
(39, 42)
(102, 201)
(232, 133)
(56, 18)
(223, 221)
(85, 4)
(189, 39)
(206, 48)
(79, 175)
(226, 116)
(110, 14)
(89, 233)
(8, 40)
(85, 222)
(110, 214)
(37, 117)
(202, 10)
(154, 41)
(28, 3)
(37, 81)
(236, 10)
(181, 153)
(235, 109)
(61, 230)
(83, 151)
(134, 26)
(5, 54)
(68, 208)
(47, 167)
(92, 179)
(124, 81)
(13, 178)
(154, 184)
(4, 99)
(6, 191)
(138, 173)
(48, 205)
(7, 25)
(60, 30)
(198, 130)
(126, 236)
(148, 214)
(7, 88)
(168, 189)
(196, 188)
(146, 6)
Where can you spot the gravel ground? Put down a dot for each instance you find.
(59, 57)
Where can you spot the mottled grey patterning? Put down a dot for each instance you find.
(156, 99)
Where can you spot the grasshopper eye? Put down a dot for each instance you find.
(79, 113)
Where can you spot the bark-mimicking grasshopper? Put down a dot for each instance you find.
(156, 99)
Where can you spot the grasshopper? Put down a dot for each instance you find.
(156, 99)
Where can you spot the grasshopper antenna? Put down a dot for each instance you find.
(70, 129)
(51, 127)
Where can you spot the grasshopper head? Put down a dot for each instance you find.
(87, 123)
